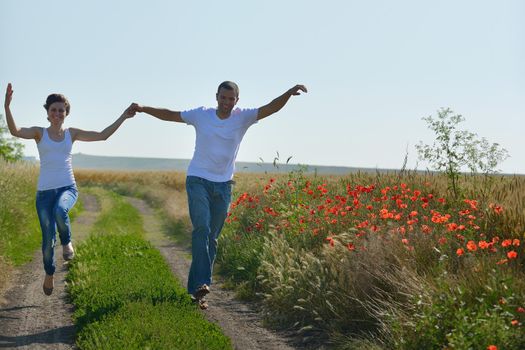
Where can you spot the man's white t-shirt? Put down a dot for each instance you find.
(217, 141)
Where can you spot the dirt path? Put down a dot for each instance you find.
(28, 318)
(237, 319)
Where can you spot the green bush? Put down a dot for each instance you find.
(470, 312)
(10, 148)
(242, 263)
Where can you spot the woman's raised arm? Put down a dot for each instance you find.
(24, 133)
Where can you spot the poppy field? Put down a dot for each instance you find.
(382, 261)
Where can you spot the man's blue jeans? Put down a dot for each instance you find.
(53, 207)
(208, 204)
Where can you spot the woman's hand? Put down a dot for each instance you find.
(130, 112)
(8, 95)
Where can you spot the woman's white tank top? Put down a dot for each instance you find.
(56, 169)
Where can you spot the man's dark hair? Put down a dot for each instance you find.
(57, 98)
(229, 85)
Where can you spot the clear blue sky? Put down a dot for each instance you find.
(373, 70)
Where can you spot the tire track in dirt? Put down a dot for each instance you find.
(237, 319)
(28, 318)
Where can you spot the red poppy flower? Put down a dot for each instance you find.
(483, 244)
(506, 243)
(472, 246)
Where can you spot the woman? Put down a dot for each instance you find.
(56, 192)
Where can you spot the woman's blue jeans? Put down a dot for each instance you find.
(53, 207)
(208, 205)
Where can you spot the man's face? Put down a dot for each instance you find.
(226, 100)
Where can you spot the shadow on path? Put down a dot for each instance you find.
(52, 336)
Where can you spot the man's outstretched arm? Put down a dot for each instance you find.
(279, 102)
(161, 113)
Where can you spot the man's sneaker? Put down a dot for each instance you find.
(203, 304)
(68, 252)
(201, 292)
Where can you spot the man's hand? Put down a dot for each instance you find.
(136, 107)
(296, 90)
(280, 101)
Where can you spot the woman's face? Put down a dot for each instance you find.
(56, 113)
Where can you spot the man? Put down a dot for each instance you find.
(219, 132)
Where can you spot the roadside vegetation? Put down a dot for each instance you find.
(20, 231)
(383, 261)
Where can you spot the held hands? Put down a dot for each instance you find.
(129, 112)
(8, 95)
(296, 90)
(137, 108)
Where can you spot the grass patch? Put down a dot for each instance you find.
(125, 294)
(119, 216)
(165, 325)
(112, 270)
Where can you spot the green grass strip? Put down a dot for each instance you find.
(141, 325)
(119, 216)
(125, 294)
